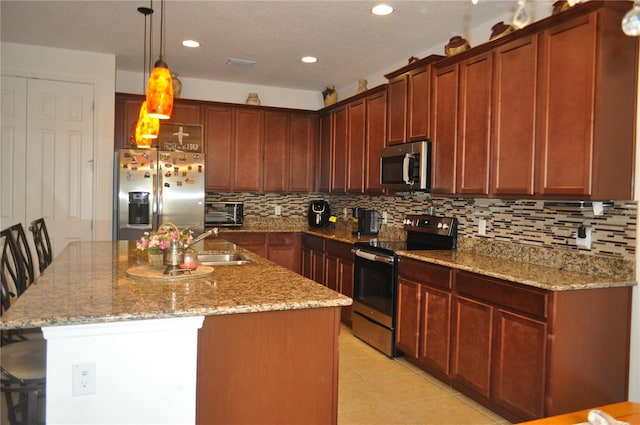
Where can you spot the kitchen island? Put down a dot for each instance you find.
(251, 343)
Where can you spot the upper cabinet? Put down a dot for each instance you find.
(409, 97)
(352, 134)
(544, 112)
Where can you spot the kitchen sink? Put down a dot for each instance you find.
(223, 259)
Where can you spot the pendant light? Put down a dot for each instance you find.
(146, 128)
(160, 88)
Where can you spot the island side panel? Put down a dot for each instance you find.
(278, 367)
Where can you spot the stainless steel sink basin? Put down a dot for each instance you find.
(223, 259)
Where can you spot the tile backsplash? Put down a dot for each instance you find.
(525, 223)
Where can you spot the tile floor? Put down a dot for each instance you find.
(374, 389)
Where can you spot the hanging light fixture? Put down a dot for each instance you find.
(146, 128)
(160, 88)
(631, 21)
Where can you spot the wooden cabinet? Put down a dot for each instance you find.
(289, 151)
(338, 272)
(351, 137)
(409, 97)
(355, 146)
(127, 110)
(313, 258)
(424, 315)
(444, 131)
(376, 124)
(514, 107)
(283, 248)
(302, 152)
(517, 349)
(587, 97)
(219, 150)
(474, 114)
(248, 150)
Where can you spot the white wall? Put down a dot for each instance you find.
(86, 67)
(220, 91)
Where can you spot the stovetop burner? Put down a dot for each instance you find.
(424, 232)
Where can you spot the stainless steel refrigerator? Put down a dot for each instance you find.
(153, 187)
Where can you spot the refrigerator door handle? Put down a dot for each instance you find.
(159, 194)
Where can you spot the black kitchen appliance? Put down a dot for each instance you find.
(368, 221)
(319, 213)
(375, 277)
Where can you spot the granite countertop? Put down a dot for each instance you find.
(515, 271)
(88, 283)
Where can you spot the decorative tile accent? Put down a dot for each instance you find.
(519, 225)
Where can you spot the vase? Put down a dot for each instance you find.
(253, 99)
(330, 95)
(456, 45)
(177, 85)
(362, 86)
(156, 260)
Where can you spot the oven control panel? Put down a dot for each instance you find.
(447, 226)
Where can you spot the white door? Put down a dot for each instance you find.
(54, 180)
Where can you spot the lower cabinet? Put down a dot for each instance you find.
(522, 351)
(338, 272)
(313, 258)
(283, 248)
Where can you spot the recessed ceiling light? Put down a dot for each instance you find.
(309, 59)
(382, 10)
(190, 43)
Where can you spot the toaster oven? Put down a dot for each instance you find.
(223, 214)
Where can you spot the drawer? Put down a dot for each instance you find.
(529, 300)
(313, 242)
(278, 238)
(426, 273)
(338, 249)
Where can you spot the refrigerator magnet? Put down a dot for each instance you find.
(190, 181)
(167, 185)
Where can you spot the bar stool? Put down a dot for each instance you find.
(22, 363)
(19, 237)
(42, 243)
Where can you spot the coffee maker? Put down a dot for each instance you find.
(368, 221)
(319, 213)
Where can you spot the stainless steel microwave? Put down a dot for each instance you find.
(223, 214)
(406, 166)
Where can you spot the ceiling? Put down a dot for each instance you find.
(348, 40)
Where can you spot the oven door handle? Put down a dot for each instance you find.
(373, 257)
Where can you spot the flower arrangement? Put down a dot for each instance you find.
(157, 241)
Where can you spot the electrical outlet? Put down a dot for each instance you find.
(83, 378)
(482, 227)
(585, 242)
(344, 213)
(384, 217)
(278, 210)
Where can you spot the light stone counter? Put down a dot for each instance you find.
(515, 271)
(87, 283)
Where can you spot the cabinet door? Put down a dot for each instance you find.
(566, 96)
(444, 118)
(331, 272)
(339, 153)
(303, 145)
(184, 113)
(324, 154)
(471, 348)
(126, 117)
(396, 124)
(475, 90)
(356, 146)
(218, 134)
(518, 372)
(435, 335)
(284, 250)
(376, 122)
(418, 104)
(276, 151)
(408, 317)
(513, 142)
(345, 276)
(254, 242)
(306, 268)
(248, 149)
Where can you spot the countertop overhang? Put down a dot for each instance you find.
(87, 283)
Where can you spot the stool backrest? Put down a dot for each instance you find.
(12, 275)
(20, 238)
(42, 243)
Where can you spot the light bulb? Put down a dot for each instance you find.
(631, 21)
(474, 1)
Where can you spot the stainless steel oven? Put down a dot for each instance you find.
(375, 277)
